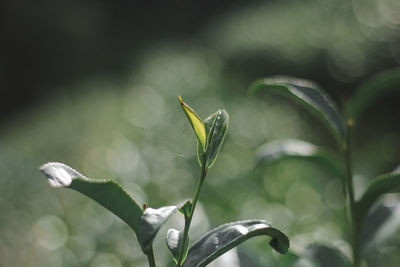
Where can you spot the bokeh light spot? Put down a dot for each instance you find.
(50, 232)
(304, 201)
(106, 260)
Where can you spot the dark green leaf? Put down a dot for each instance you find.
(382, 222)
(220, 240)
(108, 193)
(380, 185)
(397, 169)
(308, 95)
(151, 222)
(216, 127)
(174, 239)
(388, 231)
(371, 90)
(292, 148)
(216, 136)
(327, 256)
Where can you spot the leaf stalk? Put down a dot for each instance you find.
(188, 219)
(150, 258)
(350, 194)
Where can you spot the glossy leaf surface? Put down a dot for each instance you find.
(380, 185)
(308, 95)
(374, 88)
(151, 222)
(327, 256)
(174, 239)
(296, 149)
(196, 122)
(216, 127)
(220, 240)
(107, 193)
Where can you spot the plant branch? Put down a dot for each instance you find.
(150, 258)
(350, 195)
(188, 219)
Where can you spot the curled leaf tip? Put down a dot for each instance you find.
(59, 174)
(180, 100)
(279, 246)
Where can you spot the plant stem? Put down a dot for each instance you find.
(150, 258)
(350, 195)
(188, 219)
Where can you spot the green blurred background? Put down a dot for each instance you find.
(94, 85)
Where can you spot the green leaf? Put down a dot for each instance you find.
(374, 88)
(386, 183)
(278, 150)
(151, 222)
(216, 134)
(327, 256)
(174, 240)
(397, 169)
(308, 95)
(107, 193)
(220, 240)
(196, 122)
(381, 223)
(216, 127)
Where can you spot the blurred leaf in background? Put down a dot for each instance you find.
(121, 122)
